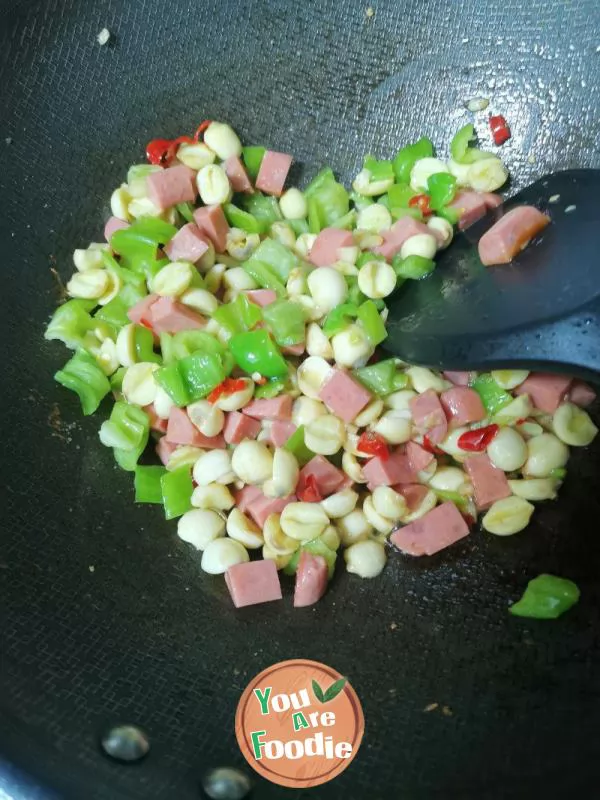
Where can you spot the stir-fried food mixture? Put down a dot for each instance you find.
(237, 325)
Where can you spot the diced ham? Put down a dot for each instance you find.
(172, 185)
(459, 378)
(329, 478)
(156, 423)
(280, 432)
(511, 234)
(272, 408)
(188, 244)
(262, 507)
(400, 231)
(238, 177)
(473, 205)
(164, 448)
(324, 251)
(581, 394)
(439, 528)
(181, 430)
(462, 406)
(114, 224)
(311, 580)
(547, 391)
(413, 493)
(140, 313)
(343, 395)
(244, 496)
(428, 415)
(212, 223)
(253, 582)
(169, 316)
(489, 482)
(273, 171)
(418, 458)
(394, 469)
(262, 297)
(238, 427)
(294, 349)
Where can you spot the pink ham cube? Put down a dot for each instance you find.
(329, 479)
(462, 406)
(280, 431)
(169, 316)
(324, 251)
(279, 408)
(113, 225)
(188, 244)
(171, 186)
(418, 458)
(439, 528)
(343, 395)
(140, 313)
(489, 482)
(413, 493)
(262, 507)
(164, 448)
(386, 472)
(181, 430)
(311, 580)
(245, 496)
(239, 427)
(273, 171)
(212, 223)
(238, 177)
(262, 297)
(398, 234)
(253, 582)
(581, 394)
(547, 391)
(428, 415)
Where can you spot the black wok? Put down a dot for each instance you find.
(146, 638)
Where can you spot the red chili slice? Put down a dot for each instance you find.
(159, 151)
(500, 130)
(373, 444)
(310, 491)
(476, 441)
(421, 201)
(431, 447)
(201, 128)
(227, 387)
(469, 520)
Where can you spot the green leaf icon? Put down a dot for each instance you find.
(318, 692)
(334, 690)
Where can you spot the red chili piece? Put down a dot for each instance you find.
(229, 386)
(201, 128)
(500, 130)
(476, 441)
(469, 520)
(522, 420)
(373, 444)
(310, 492)
(421, 201)
(430, 447)
(161, 152)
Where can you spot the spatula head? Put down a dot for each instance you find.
(542, 311)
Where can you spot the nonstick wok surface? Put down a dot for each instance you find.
(105, 616)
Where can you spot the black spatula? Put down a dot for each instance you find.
(542, 311)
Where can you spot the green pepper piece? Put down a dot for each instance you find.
(399, 195)
(380, 378)
(367, 256)
(279, 258)
(441, 187)
(71, 322)
(82, 375)
(408, 156)
(127, 431)
(193, 377)
(116, 380)
(252, 158)
(492, 394)
(147, 484)
(354, 293)
(558, 473)
(114, 312)
(361, 201)
(264, 208)
(144, 345)
(186, 210)
(454, 497)
(238, 218)
(323, 177)
(328, 201)
(339, 318)
(270, 389)
(374, 326)
(177, 488)
(299, 226)
(184, 343)
(452, 215)
(415, 213)
(346, 223)
(255, 351)
(314, 221)
(142, 237)
(380, 170)
(316, 547)
(413, 267)
(128, 276)
(296, 445)
(264, 276)
(286, 322)
(546, 597)
(460, 148)
(239, 315)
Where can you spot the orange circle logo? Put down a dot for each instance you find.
(299, 723)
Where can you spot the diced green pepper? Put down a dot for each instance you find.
(126, 431)
(412, 267)
(71, 322)
(279, 258)
(398, 213)
(296, 445)
(339, 318)
(367, 256)
(346, 223)
(252, 158)
(299, 226)
(546, 597)
(382, 378)
(238, 218)
(147, 484)
(441, 187)
(82, 375)
(492, 394)
(264, 208)
(270, 389)
(314, 220)
(184, 343)
(460, 146)
(451, 215)
(144, 344)
(558, 473)
(141, 237)
(324, 176)
(454, 497)
(264, 276)
(408, 156)
(380, 170)
(374, 326)
(399, 194)
(177, 488)
(238, 316)
(186, 210)
(286, 322)
(133, 277)
(361, 201)
(328, 201)
(116, 380)
(255, 351)
(316, 547)
(193, 377)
